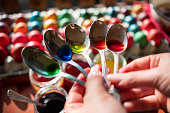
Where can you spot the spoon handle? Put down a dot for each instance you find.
(91, 64)
(65, 75)
(16, 96)
(104, 67)
(116, 62)
(78, 67)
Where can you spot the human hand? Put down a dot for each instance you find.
(145, 83)
(93, 99)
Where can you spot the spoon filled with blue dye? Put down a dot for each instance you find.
(59, 49)
(78, 40)
(43, 64)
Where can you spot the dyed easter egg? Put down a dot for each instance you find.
(19, 37)
(35, 36)
(16, 51)
(4, 28)
(4, 40)
(21, 27)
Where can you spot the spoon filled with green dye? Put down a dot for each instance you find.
(78, 40)
(43, 64)
(59, 49)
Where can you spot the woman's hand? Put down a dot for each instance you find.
(145, 83)
(93, 99)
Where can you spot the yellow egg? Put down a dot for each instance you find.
(51, 14)
(50, 23)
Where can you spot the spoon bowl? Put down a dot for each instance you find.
(78, 40)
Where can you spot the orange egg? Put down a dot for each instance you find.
(21, 27)
(51, 14)
(50, 23)
(137, 9)
(20, 18)
(87, 23)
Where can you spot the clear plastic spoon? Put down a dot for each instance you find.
(97, 37)
(16, 96)
(44, 65)
(116, 41)
(78, 40)
(59, 49)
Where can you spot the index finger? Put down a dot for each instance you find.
(142, 63)
(76, 93)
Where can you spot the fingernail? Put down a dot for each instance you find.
(110, 76)
(127, 104)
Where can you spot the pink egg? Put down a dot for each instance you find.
(35, 36)
(154, 35)
(35, 44)
(4, 40)
(19, 37)
(114, 20)
(147, 25)
(130, 40)
(16, 51)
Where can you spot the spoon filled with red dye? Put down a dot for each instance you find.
(116, 41)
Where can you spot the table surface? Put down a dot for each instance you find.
(22, 85)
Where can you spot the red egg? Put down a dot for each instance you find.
(19, 38)
(87, 30)
(3, 54)
(147, 25)
(154, 35)
(35, 36)
(62, 33)
(114, 20)
(4, 28)
(20, 18)
(16, 51)
(35, 44)
(5, 18)
(130, 40)
(4, 40)
(142, 16)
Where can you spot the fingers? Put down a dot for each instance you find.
(145, 104)
(149, 78)
(143, 63)
(76, 93)
(94, 84)
(135, 93)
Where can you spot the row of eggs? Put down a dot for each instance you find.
(142, 35)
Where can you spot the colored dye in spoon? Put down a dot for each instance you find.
(54, 103)
(77, 47)
(65, 53)
(52, 69)
(115, 45)
(99, 43)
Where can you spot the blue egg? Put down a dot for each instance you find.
(64, 53)
(35, 25)
(110, 11)
(133, 28)
(35, 16)
(129, 19)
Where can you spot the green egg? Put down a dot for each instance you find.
(140, 38)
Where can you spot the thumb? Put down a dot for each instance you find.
(94, 83)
